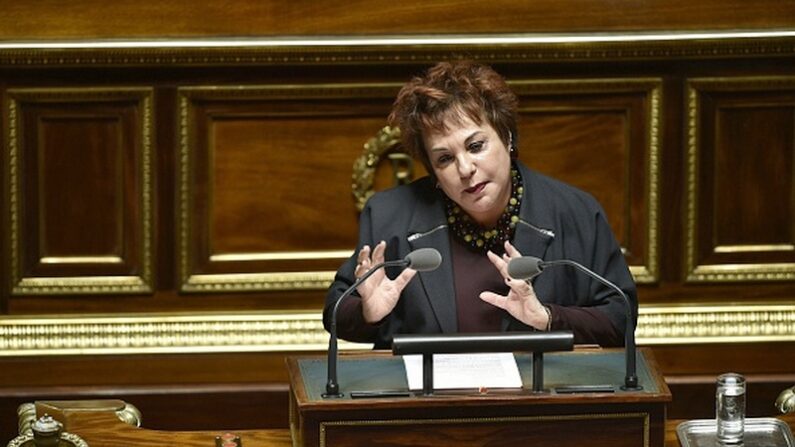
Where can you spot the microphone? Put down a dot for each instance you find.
(527, 267)
(421, 260)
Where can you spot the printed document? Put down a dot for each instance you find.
(456, 371)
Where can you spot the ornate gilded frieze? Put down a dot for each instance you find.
(165, 333)
(302, 331)
(28, 285)
(419, 49)
(715, 324)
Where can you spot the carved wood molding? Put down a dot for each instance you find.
(401, 49)
(21, 284)
(698, 153)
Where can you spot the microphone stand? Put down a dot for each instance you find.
(332, 387)
(631, 377)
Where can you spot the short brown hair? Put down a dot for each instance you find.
(451, 91)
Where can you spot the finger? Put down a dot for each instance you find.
(518, 285)
(363, 257)
(494, 299)
(378, 253)
(403, 279)
(511, 250)
(499, 263)
(522, 288)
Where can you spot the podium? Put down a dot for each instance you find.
(480, 417)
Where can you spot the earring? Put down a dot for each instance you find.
(511, 147)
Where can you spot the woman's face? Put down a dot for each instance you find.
(473, 168)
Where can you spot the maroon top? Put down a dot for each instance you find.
(474, 273)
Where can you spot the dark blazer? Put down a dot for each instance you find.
(557, 221)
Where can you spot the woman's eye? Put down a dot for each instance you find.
(476, 146)
(443, 159)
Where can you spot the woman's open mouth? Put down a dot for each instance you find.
(476, 189)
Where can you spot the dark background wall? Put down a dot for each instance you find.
(177, 181)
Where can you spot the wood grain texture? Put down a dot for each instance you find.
(130, 19)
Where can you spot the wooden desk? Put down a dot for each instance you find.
(97, 423)
(470, 419)
(103, 428)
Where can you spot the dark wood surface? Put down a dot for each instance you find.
(93, 18)
(104, 429)
(474, 419)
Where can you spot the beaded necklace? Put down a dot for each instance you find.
(482, 239)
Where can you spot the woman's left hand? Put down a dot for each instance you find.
(521, 301)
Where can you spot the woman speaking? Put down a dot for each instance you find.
(479, 207)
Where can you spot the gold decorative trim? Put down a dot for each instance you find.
(303, 331)
(162, 333)
(261, 281)
(715, 324)
(753, 248)
(130, 415)
(79, 285)
(229, 282)
(450, 421)
(66, 439)
(785, 402)
(81, 260)
(365, 165)
(724, 272)
(282, 256)
(26, 416)
(410, 49)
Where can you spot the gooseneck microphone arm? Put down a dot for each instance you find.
(424, 259)
(527, 267)
(332, 387)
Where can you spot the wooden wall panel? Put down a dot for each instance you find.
(80, 191)
(602, 135)
(280, 157)
(741, 221)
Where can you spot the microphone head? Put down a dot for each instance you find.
(423, 259)
(525, 267)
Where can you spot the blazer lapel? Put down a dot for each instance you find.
(535, 230)
(429, 230)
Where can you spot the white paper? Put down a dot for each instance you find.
(452, 371)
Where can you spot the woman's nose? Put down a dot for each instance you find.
(466, 168)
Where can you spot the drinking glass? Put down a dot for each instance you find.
(730, 408)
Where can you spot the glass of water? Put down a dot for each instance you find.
(730, 408)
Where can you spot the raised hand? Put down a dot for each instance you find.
(379, 293)
(521, 301)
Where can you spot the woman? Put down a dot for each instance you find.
(479, 207)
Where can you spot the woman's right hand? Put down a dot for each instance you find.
(379, 293)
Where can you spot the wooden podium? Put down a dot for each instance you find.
(480, 418)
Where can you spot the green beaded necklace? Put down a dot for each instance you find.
(480, 238)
